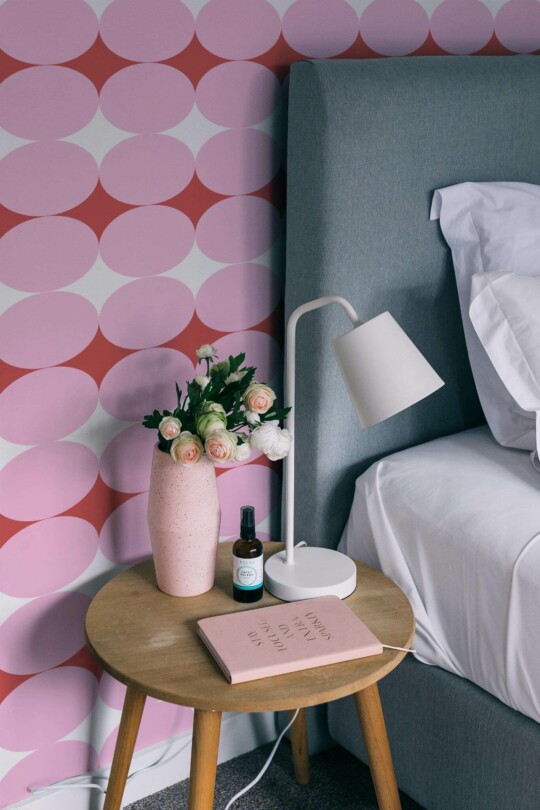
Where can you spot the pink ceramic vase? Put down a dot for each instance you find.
(183, 517)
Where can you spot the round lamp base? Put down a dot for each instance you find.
(316, 572)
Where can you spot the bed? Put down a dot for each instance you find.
(369, 142)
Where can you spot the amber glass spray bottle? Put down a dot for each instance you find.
(247, 560)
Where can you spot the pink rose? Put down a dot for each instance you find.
(187, 449)
(258, 398)
(220, 446)
(170, 427)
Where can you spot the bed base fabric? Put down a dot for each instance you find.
(454, 746)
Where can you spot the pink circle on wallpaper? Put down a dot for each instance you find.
(47, 177)
(159, 722)
(143, 382)
(65, 697)
(147, 169)
(146, 32)
(238, 94)
(261, 350)
(238, 161)
(47, 31)
(238, 296)
(238, 229)
(46, 480)
(125, 538)
(47, 253)
(254, 484)
(43, 633)
(517, 25)
(147, 98)
(461, 26)
(238, 29)
(47, 102)
(125, 463)
(147, 240)
(321, 29)
(394, 27)
(60, 549)
(46, 329)
(67, 397)
(46, 766)
(147, 312)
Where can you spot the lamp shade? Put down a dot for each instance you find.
(383, 370)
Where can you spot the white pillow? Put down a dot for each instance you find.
(492, 227)
(505, 312)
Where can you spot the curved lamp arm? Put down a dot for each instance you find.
(290, 378)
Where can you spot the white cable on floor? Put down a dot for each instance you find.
(65, 783)
(59, 786)
(92, 785)
(266, 764)
(160, 761)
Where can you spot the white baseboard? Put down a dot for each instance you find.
(239, 733)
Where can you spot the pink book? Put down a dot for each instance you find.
(284, 638)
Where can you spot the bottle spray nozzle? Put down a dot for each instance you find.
(247, 522)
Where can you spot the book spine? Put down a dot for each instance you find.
(217, 657)
(297, 666)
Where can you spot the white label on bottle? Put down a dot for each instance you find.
(248, 574)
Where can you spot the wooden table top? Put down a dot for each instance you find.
(149, 641)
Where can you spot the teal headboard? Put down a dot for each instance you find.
(368, 143)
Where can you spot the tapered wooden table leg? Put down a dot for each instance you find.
(204, 754)
(368, 704)
(299, 744)
(123, 752)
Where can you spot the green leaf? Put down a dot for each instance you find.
(275, 414)
(152, 420)
(164, 444)
(236, 362)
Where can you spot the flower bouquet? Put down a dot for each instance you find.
(223, 415)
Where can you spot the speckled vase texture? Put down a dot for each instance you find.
(183, 517)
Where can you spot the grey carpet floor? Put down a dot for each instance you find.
(338, 782)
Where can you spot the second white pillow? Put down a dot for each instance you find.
(505, 313)
(492, 227)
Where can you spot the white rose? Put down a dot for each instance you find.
(271, 440)
(253, 418)
(202, 381)
(281, 447)
(243, 451)
(170, 427)
(205, 352)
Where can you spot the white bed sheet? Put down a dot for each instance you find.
(456, 524)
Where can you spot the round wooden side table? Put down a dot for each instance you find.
(149, 641)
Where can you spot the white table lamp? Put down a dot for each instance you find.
(384, 373)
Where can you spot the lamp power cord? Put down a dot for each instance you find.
(68, 784)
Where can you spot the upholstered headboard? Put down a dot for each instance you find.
(369, 141)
